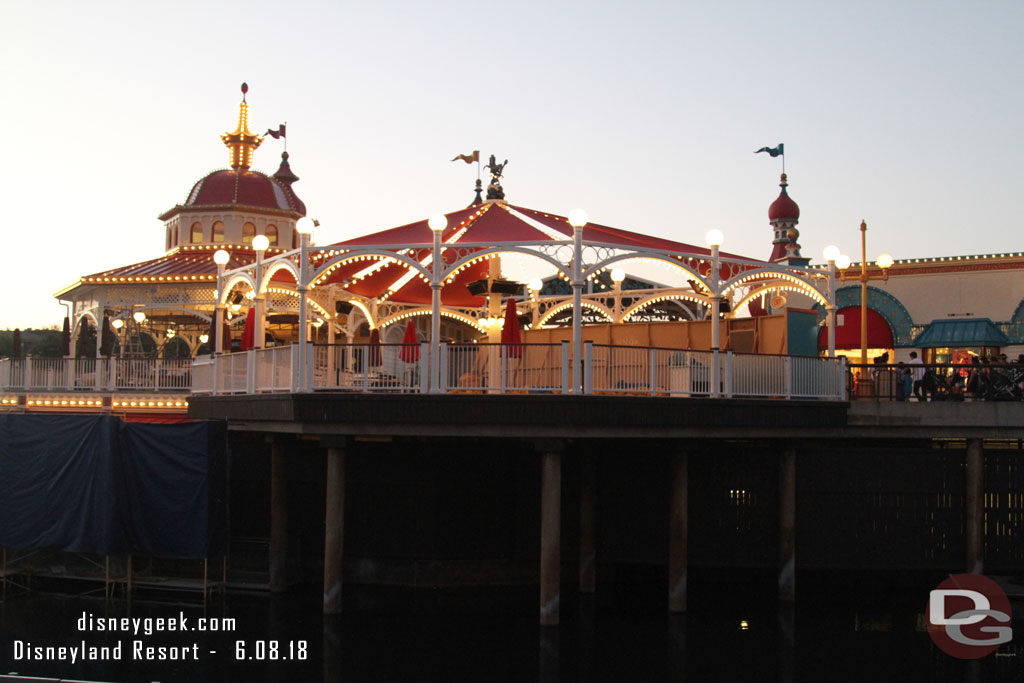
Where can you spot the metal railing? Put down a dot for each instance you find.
(462, 368)
(92, 374)
(936, 382)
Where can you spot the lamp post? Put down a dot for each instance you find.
(304, 226)
(618, 275)
(437, 223)
(714, 239)
(884, 262)
(831, 254)
(577, 219)
(260, 243)
(221, 258)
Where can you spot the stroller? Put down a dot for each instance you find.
(997, 386)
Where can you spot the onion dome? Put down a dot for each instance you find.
(783, 207)
(244, 188)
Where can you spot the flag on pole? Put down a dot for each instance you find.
(469, 158)
(773, 151)
(276, 134)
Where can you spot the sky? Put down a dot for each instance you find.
(645, 114)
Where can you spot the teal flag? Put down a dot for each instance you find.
(774, 151)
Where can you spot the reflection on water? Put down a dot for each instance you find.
(838, 631)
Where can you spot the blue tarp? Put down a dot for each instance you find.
(95, 484)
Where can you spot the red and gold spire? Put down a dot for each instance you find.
(243, 142)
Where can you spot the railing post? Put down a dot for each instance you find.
(250, 371)
(588, 367)
(294, 354)
(789, 377)
(424, 367)
(714, 389)
(565, 366)
(652, 370)
(366, 367)
(503, 362)
(842, 378)
(728, 373)
(72, 365)
(442, 370)
(310, 365)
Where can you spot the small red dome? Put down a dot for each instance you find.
(783, 207)
(244, 188)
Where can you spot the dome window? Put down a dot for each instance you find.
(197, 233)
(218, 232)
(248, 232)
(272, 235)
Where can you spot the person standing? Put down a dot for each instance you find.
(920, 388)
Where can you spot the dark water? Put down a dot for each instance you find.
(852, 629)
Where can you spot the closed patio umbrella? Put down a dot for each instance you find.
(511, 337)
(249, 332)
(411, 344)
(82, 343)
(375, 358)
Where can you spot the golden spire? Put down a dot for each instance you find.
(242, 143)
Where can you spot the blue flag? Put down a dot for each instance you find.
(773, 151)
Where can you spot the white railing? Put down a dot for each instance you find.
(371, 367)
(92, 374)
(476, 368)
(503, 368)
(273, 368)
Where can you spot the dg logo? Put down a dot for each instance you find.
(969, 616)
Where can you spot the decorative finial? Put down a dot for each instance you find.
(242, 142)
(479, 192)
(783, 183)
(494, 190)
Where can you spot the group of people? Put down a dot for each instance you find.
(991, 378)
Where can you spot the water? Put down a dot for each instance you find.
(862, 629)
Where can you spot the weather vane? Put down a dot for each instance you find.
(494, 190)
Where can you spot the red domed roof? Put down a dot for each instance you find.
(244, 188)
(783, 207)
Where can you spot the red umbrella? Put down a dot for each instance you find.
(411, 349)
(511, 338)
(249, 332)
(226, 335)
(375, 359)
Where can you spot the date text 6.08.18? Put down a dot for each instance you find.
(271, 650)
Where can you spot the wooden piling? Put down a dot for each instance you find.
(677, 532)
(334, 530)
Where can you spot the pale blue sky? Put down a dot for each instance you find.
(646, 114)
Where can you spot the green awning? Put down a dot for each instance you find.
(961, 333)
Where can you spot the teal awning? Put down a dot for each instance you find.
(961, 333)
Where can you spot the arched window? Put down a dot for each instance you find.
(248, 232)
(218, 232)
(168, 247)
(272, 235)
(197, 233)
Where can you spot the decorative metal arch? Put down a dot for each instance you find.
(603, 264)
(655, 298)
(423, 311)
(364, 254)
(234, 280)
(483, 253)
(592, 305)
(274, 268)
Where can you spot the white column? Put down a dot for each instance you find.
(577, 306)
(303, 328)
(715, 312)
(831, 308)
(435, 314)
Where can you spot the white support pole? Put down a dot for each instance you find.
(435, 315)
(715, 309)
(831, 308)
(258, 327)
(303, 329)
(577, 306)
